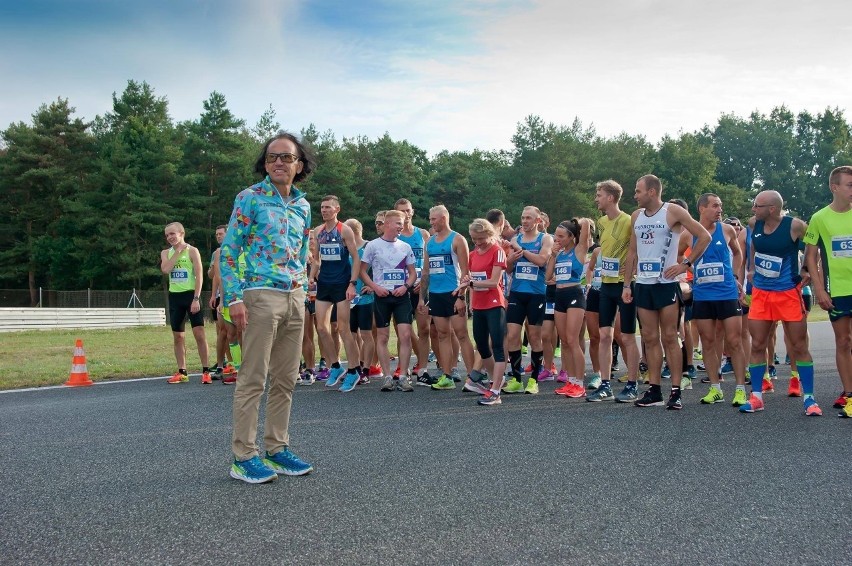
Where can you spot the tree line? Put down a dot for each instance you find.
(87, 202)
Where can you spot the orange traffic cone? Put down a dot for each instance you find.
(79, 374)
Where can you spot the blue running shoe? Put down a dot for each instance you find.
(773, 373)
(727, 367)
(334, 376)
(667, 373)
(287, 463)
(252, 471)
(349, 382)
(689, 372)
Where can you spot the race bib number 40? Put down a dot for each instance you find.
(767, 265)
(841, 246)
(610, 266)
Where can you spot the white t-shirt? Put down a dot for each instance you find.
(389, 261)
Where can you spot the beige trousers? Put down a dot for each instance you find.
(272, 345)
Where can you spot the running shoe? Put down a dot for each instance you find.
(701, 367)
(335, 376)
(389, 384)
(754, 404)
(564, 390)
(446, 382)
(490, 398)
(454, 374)
(529, 368)
(715, 396)
(252, 470)
(674, 403)
(545, 375)
(474, 387)
(478, 376)
(577, 390)
(650, 399)
(602, 393)
(562, 377)
(775, 359)
(426, 380)
(846, 411)
(307, 378)
(811, 408)
(557, 352)
(667, 373)
(322, 364)
(375, 371)
(773, 373)
(349, 382)
(178, 378)
(697, 355)
(524, 350)
(594, 381)
(643, 372)
(689, 372)
(404, 384)
(229, 369)
(768, 387)
(396, 372)
(217, 374)
(230, 380)
(627, 395)
(322, 374)
(739, 398)
(206, 379)
(706, 379)
(623, 379)
(287, 463)
(786, 359)
(840, 402)
(727, 367)
(432, 357)
(685, 383)
(795, 388)
(615, 364)
(513, 386)
(365, 377)
(532, 387)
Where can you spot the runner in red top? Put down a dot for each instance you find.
(488, 303)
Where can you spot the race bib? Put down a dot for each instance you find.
(179, 275)
(841, 246)
(562, 272)
(767, 265)
(478, 276)
(711, 272)
(330, 252)
(393, 278)
(436, 265)
(610, 266)
(548, 308)
(596, 277)
(526, 271)
(649, 268)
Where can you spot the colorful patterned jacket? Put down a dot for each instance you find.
(274, 232)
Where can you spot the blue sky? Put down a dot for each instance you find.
(441, 74)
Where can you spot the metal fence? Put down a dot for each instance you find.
(89, 298)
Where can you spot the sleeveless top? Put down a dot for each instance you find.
(182, 276)
(443, 264)
(415, 240)
(335, 266)
(714, 273)
(527, 276)
(776, 257)
(656, 246)
(568, 268)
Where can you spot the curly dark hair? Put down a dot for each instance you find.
(306, 156)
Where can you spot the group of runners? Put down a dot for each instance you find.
(276, 279)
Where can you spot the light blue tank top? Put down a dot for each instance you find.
(527, 276)
(443, 265)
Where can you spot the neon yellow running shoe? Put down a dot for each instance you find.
(740, 398)
(716, 396)
(513, 386)
(445, 382)
(532, 387)
(846, 412)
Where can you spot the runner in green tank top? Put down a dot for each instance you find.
(182, 263)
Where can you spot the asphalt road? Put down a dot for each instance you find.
(137, 473)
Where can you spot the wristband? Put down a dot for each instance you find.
(196, 298)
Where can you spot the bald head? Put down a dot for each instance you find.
(772, 198)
